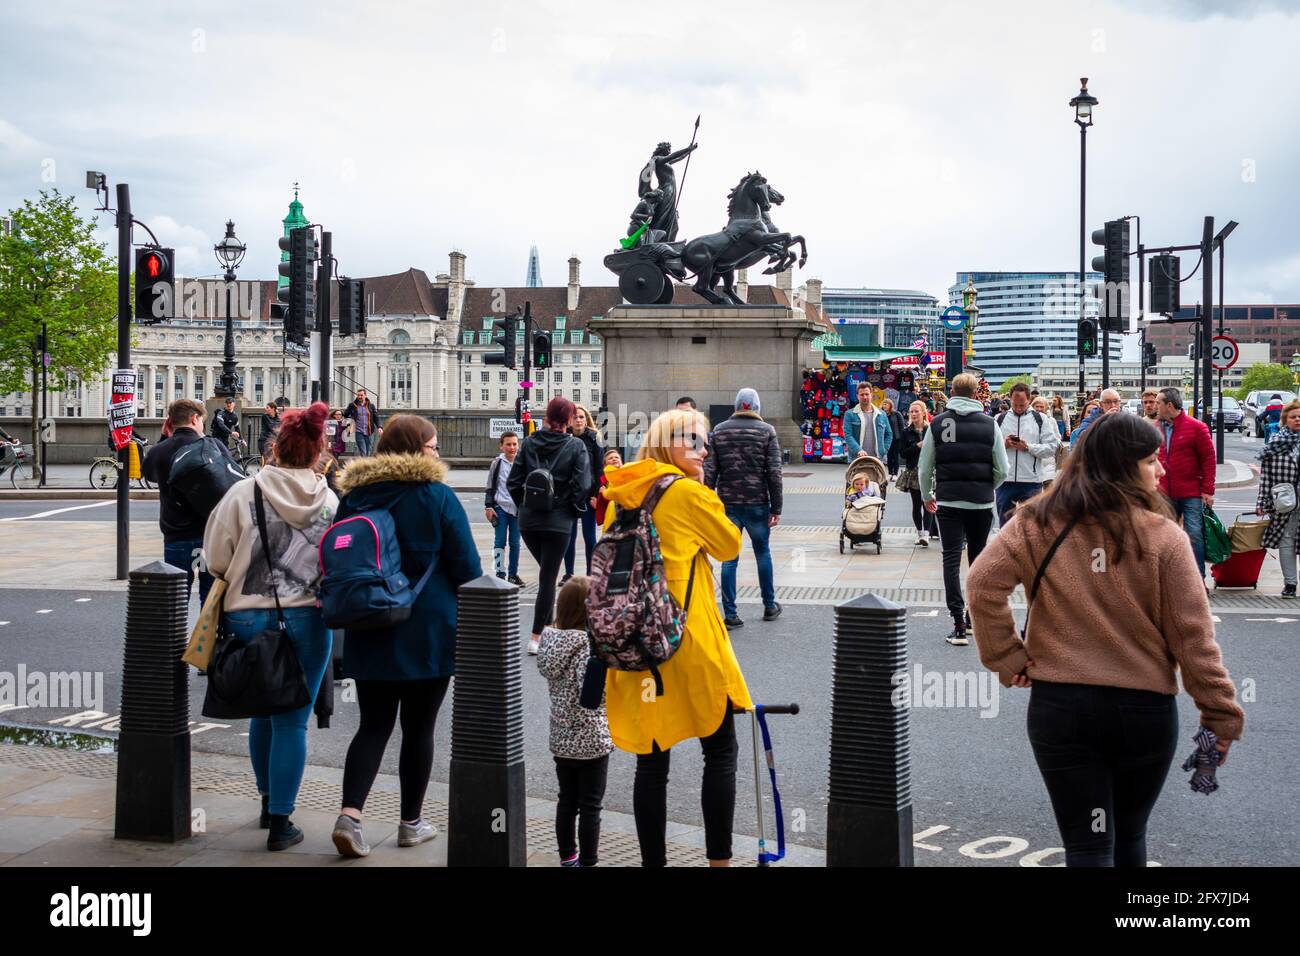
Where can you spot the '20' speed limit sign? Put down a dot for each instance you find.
(1223, 352)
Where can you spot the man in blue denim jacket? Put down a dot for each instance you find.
(873, 441)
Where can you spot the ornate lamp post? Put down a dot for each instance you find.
(968, 297)
(1083, 105)
(1295, 371)
(230, 253)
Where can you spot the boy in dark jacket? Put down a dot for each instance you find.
(182, 527)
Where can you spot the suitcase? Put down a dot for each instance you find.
(1241, 570)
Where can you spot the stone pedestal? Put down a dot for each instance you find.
(656, 354)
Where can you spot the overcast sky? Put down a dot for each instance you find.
(912, 140)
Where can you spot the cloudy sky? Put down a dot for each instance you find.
(911, 139)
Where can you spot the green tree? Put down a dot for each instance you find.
(1006, 386)
(54, 273)
(1261, 377)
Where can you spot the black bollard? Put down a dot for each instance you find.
(869, 816)
(153, 748)
(486, 825)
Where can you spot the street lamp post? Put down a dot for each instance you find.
(1083, 105)
(968, 297)
(1295, 372)
(230, 253)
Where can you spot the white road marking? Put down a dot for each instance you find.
(925, 614)
(1215, 618)
(3, 623)
(84, 600)
(1273, 620)
(59, 511)
(48, 610)
(917, 837)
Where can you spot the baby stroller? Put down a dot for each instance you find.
(862, 520)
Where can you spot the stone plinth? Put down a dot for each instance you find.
(656, 354)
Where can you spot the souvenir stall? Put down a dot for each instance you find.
(828, 392)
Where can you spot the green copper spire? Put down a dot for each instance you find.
(294, 220)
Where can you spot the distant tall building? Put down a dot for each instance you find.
(898, 313)
(1028, 318)
(534, 280)
(292, 221)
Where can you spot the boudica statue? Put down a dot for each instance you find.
(651, 256)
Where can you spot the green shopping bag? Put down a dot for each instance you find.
(1218, 544)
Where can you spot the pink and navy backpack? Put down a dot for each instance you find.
(362, 584)
(633, 621)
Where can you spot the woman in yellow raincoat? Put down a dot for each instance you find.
(702, 682)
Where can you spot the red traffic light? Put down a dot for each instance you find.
(153, 265)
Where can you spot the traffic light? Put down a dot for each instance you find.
(1164, 284)
(1114, 267)
(542, 350)
(154, 272)
(1148, 355)
(506, 340)
(352, 307)
(1087, 338)
(299, 296)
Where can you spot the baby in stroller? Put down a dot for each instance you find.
(864, 503)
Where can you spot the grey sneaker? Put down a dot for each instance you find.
(413, 834)
(347, 837)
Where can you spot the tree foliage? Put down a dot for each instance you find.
(1006, 386)
(1262, 377)
(52, 271)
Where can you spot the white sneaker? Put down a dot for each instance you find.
(923, 541)
(532, 646)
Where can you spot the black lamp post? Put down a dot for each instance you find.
(230, 253)
(1083, 105)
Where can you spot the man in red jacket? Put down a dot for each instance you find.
(1187, 455)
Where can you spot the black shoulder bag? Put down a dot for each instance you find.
(1042, 569)
(260, 677)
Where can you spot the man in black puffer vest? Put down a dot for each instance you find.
(962, 461)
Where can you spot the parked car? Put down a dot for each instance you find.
(1255, 404)
(1232, 413)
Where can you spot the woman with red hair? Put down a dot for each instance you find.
(550, 482)
(278, 583)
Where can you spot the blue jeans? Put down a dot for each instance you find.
(278, 745)
(1010, 493)
(365, 443)
(588, 520)
(507, 524)
(185, 555)
(1192, 511)
(751, 519)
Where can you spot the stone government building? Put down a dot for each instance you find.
(423, 347)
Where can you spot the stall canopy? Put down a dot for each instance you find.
(865, 353)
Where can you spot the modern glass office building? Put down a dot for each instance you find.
(898, 313)
(1028, 318)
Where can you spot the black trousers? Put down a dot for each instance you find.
(717, 796)
(380, 702)
(582, 788)
(1104, 753)
(547, 549)
(960, 528)
(922, 520)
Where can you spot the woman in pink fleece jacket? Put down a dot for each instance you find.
(1104, 644)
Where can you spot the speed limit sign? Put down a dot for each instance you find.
(1223, 353)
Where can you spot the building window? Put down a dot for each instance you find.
(198, 386)
(539, 398)
(485, 338)
(501, 396)
(467, 396)
(558, 376)
(593, 338)
(501, 376)
(484, 393)
(483, 377)
(468, 377)
(467, 338)
(399, 337)
(487, 323)
(575, 337)
(595, 377)
(560, 322)
(577, 377)
(399, 384)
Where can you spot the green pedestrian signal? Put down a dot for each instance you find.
(1087, 338)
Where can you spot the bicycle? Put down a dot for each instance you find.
(104, 469)
(251, 464)
(19, 462)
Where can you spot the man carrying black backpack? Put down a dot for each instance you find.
(549, 482)
(182, 526)
(1030, 438)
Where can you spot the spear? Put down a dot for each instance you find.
(687, 168)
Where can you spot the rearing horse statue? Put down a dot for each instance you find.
(749, 237)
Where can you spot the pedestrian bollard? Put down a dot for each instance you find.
(869, 816)
(486, 825)
(153, 748)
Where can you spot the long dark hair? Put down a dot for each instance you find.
(1100, 482)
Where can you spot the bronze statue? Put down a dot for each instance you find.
(663, 224)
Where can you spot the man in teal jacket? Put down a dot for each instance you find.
(872, 436)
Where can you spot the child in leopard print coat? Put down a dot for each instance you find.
(580, 739)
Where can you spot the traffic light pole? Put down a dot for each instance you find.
(1083, 204)
(1207, 310)
(1218, 435)
(528, 366)
(324, 294)
(124, 362)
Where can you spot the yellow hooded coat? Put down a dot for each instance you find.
(704, 674)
